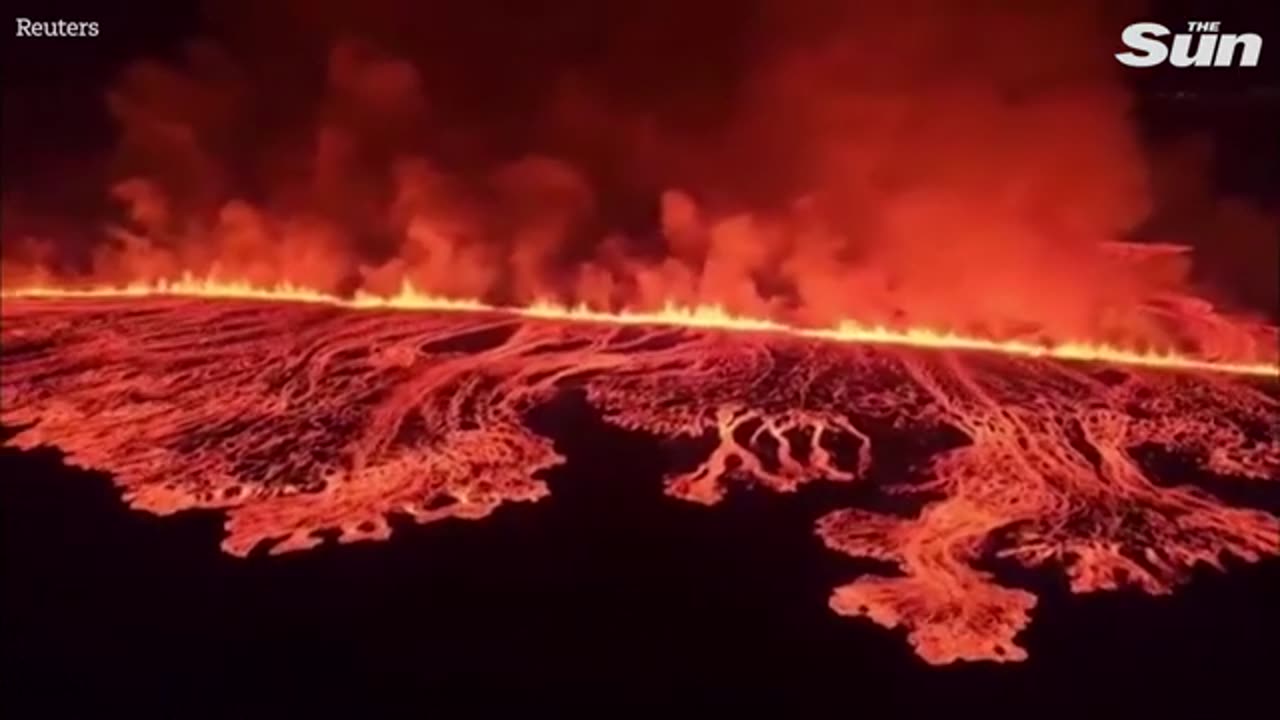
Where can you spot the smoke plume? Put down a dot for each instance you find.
(968, 167)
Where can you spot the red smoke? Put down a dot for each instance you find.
(966, 168)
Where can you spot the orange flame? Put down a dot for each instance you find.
(711, 317)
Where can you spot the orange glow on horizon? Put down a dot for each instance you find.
(710, 317)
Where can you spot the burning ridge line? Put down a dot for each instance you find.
(707, 317)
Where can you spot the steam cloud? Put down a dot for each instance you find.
(962, 167)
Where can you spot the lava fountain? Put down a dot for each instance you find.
(297, 414)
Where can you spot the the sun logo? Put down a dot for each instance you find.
(1211, 49)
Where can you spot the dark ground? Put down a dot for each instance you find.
(605, 589)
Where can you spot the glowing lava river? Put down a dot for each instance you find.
(299, 419)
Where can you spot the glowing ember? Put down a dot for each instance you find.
(304, 417)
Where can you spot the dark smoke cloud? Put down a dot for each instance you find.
(1235, 237)
(965, 165)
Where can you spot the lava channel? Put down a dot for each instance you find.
(297, 419)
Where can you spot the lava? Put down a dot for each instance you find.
(701, 316)
(299, 419)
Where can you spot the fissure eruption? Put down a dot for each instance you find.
(701, 316)
(932, 253)
(300, 418)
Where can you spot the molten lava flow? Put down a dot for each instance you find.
(705, 316)
(304, 417)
